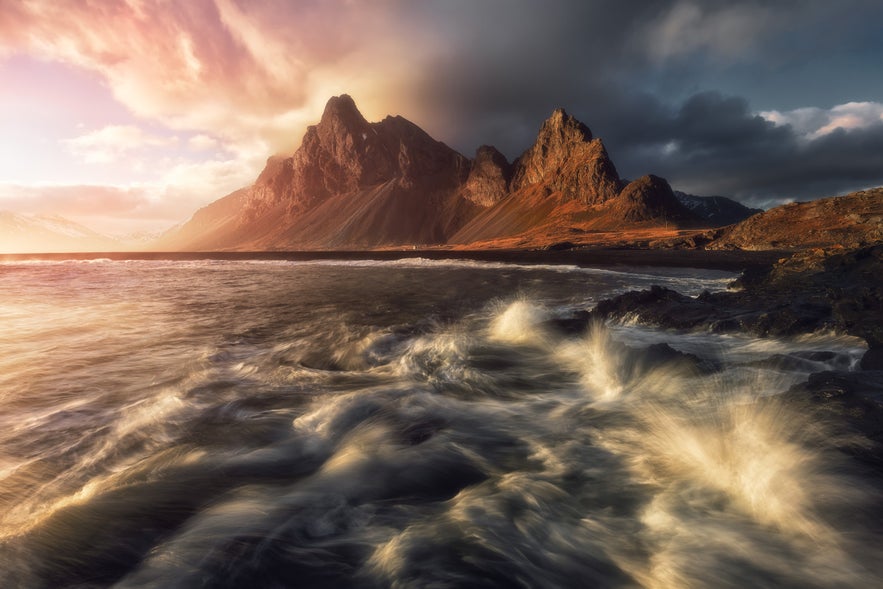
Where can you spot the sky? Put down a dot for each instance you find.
(129, 115)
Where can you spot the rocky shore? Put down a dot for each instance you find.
(809, 291)
(818, 289)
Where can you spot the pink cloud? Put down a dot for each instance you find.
(237, 69)
(236, 81)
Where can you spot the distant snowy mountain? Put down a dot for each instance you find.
(49, 233)
(719, 210)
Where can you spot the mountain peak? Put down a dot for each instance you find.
(565, 158)
(651, 198)
(342, 109)
(565, 128)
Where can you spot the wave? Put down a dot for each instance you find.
(487, 449)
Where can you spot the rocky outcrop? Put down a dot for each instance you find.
(850, 404)
(489, 176)
(851, 221)
(651, 198)
(807, 292)
(565, 185)
(566, 158)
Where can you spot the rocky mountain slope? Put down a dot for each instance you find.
(49, 233)
(851, 221)
(354, 184)
(565, 186)
(351, 184)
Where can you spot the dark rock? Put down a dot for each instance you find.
(560, 246)
(807, 292)
(658, 306)
(849, 403)
(872, 360)
(574, 324)
(658, 355)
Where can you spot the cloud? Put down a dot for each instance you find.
(715, 144)
(70, 200)
(239, 80)
(110, 143)
(812, 123)
(182, 187)
(235, 69)
(724, 31)
(202, 142)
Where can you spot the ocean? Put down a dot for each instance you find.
(411, 423)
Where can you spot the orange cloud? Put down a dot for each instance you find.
(237, 81)
(243, 71)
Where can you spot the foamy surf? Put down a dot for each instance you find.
(329, 425)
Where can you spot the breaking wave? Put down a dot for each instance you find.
(309, 427)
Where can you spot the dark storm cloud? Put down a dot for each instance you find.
(715, 144)
(670, 86)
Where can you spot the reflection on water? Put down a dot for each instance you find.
(414, 424)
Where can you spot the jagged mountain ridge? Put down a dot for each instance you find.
(354, 184)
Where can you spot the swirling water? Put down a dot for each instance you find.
(403, 424)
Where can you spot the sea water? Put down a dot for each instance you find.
(209, 423)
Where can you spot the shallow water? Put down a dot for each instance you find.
(408, 424)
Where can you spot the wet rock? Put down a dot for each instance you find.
(657, 306)
(573, 324)
(659, 355)
(849, 403)
(872, 360)
(807, 292)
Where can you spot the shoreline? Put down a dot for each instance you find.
(728, 260)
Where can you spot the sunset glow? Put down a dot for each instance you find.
(128, 115)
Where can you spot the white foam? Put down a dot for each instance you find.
(519, 323)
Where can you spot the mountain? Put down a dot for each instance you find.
(49, 233)
(565, 185)
(351, 184)
(354, 185)
(851, 221)
(717, 210)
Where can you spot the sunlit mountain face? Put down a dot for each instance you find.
(130, 117)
